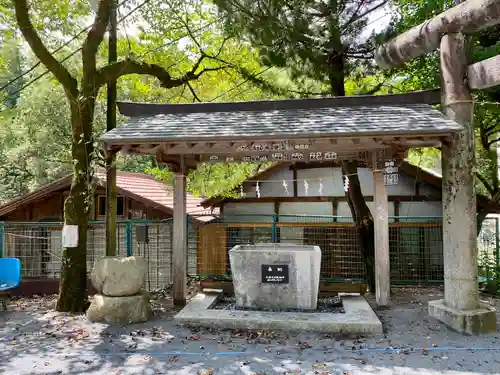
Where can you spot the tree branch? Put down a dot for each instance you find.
(492, 142)
(496, 197)
(195, 96)
(374, 89)
(40, 50)
(128, 66)
(95, 37)
(355, 18)
(485, 183)
(360, 56)
(360, 5)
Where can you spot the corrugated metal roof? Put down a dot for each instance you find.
(379, 120)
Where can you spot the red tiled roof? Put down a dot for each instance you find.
(139, 185)
(145, 186)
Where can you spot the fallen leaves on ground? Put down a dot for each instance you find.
(305, 345)
(209, 371)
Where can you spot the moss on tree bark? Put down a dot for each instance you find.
(73, 284)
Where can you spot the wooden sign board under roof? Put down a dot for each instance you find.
(323, 129)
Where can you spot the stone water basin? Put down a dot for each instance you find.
(276, 276)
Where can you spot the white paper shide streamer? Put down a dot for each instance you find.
(346, 183)
(285, 185)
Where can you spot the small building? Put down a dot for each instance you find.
(305, 203)
(369, 129)
(139, 197)
(31, 226)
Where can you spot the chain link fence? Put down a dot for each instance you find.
(38, 246)
(416, 255)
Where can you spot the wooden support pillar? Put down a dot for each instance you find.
(179, 241)
(111, 205)
(381, 223)
(458, 163)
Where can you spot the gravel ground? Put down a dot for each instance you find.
(325, 305)
(36, 340)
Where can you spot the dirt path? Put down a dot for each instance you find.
(36, 340)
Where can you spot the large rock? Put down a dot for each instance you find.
(119, 310)
(117, 277)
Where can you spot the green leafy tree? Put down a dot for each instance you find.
(320, 44)
(81, 90)
(10, 69)
(38, 129)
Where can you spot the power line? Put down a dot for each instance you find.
(149, 51)
(82, 31)
(67, 57)
(239, 85)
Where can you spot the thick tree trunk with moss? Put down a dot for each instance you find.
(73, 284)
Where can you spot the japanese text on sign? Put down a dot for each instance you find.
(391, 172)
(275, 274)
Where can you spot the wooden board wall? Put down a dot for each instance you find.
(212, 251)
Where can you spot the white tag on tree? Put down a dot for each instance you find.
(70, 236)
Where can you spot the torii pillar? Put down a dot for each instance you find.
(460, 309)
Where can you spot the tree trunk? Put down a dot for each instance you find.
(480, 216)
(73, 284)
(363, 220)
(362, 217)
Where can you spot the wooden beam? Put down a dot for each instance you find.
(111, 201)
(381, 222)
(130, 109)
(295, 182)
(346, 145)
(397, 206)
(368, 198)
(179, 241)
(468, 17)
(335, 209)
(484, 74)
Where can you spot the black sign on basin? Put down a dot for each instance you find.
(275, 274)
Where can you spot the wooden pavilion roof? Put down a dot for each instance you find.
(281, 130)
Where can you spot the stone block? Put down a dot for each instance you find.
(119, 310)
(471, 322)
(294, 287)
(117, 277)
